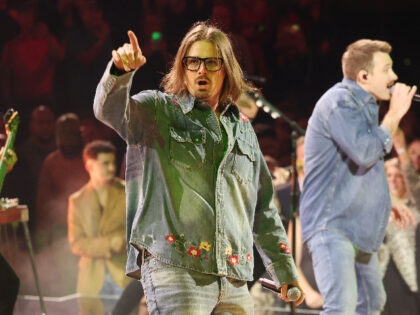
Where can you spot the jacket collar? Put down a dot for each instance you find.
(187, 104)
(357, 91)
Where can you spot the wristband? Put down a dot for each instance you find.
(400, 150)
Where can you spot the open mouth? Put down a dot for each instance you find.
(202, 82)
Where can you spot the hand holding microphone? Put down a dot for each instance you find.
(294, 292)
(401, 98)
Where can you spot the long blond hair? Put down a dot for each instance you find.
(234, 83)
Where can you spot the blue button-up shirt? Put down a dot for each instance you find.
(345, 188)
(194, 200)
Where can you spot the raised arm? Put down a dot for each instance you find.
(113, 104)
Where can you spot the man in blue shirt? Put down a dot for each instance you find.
(345, 203)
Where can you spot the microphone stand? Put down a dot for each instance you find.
(294, 192)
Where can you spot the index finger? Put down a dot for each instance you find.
(283, 293)
(133, 41)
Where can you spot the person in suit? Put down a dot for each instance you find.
(96, 228)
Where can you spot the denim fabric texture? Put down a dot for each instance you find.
(174, 290)
(192, 201)
(345, 188)
(348, 287)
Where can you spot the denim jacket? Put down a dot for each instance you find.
(193, 201)
(345, 188)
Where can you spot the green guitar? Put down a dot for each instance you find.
(12, 121)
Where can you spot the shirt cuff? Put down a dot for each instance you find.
(386, 138)
(283, 271)
(115, 72)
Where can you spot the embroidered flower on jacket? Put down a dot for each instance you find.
(284, 248)
(228, 251)
(249, 257)
(205, 245)
(175, 101)
(234, 260)
(243, 117)
(170, 238)
(194, 251)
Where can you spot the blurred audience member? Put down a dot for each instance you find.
(178, 20)
(155, 48)
(254, 22)
(398, 252)
(293, 63)
(414, 152)
(32, 152)
(267, 139)
(221, 15)
(88, 43)
(28, 62)
(96, 228)
(62, 173)
(9, 27)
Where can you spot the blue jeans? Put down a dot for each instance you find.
(173, 290)
(348, 286)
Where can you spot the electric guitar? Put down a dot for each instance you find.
(12, 121)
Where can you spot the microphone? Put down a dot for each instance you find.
(255, 78)
(293, 293)
(416, 97)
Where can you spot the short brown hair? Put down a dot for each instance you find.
(92, 149)
(359, 56)
(234, 83)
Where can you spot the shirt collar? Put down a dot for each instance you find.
(187, 104)
(357, 90)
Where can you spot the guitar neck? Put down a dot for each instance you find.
(11, 129)
(9, 144)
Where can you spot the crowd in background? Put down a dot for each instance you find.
(53, 51)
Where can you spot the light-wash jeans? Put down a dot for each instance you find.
(348, 287)
(173, 290)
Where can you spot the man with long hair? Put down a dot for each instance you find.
(345, 204)
(199, 192)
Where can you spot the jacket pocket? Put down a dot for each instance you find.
(187, 147)
(243, 163)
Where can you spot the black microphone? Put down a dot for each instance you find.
(416, 97)
(255, 78)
